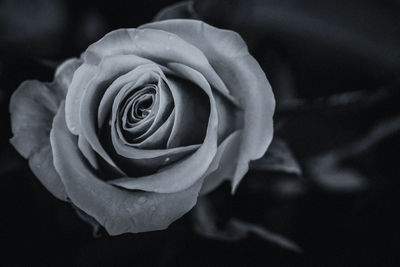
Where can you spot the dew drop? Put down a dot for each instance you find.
(142, 199)
(167, 159)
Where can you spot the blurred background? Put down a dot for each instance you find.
(325, 194)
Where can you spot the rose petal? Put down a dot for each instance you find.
(32, 99)
(227, 53)
(122, 119)
(99, 92)
(88, 152)
(160, 137)
(117, 119)
(65, 72)
(215, 43)
(223, 166)
(132, 61)
(119, 211)
(182, 175)
(41, 164)
(159, 46)
(163, 106)
(230, 116)
(80, 80)
(258, 104)
(32, 107)
(108, 70)
(148, 161)
(191, 113)
(163, 110)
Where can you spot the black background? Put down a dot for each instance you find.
(334, 228)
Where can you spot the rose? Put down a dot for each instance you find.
(146, 121)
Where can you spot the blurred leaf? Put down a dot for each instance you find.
(327, 172)
(278, 158)
(183, 10)
(205, 224)
(317, 126)
(327, 169)
(354, 101)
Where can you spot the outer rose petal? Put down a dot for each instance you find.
(33, 107)
(228, 55)
(80, 80)
(222, 168)
(119, 211)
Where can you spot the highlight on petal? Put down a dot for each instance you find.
(242, 75)
(118, 210)
(32, 107)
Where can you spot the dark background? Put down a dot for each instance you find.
(314, 53)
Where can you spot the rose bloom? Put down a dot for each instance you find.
(146, 121)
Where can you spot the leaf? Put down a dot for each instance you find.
(205, 224)
(327, 170)
(278, 158)
(183, 10)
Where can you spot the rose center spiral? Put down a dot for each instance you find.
(143, 106)
(139, 104)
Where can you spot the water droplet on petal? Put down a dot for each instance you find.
(142, 199)
(167, 159)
